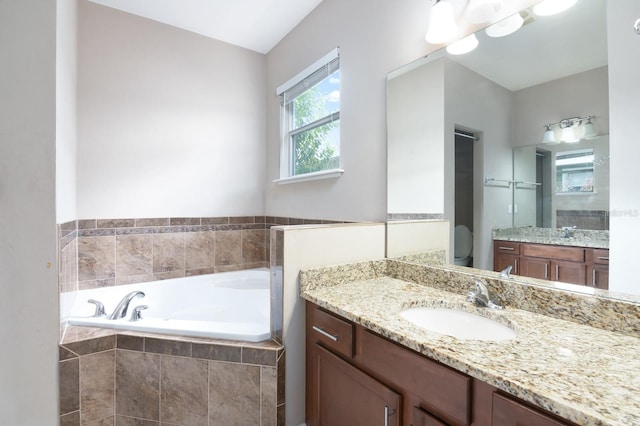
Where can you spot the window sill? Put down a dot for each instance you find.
(324, 174)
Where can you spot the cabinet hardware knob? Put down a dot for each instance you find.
(325, 334)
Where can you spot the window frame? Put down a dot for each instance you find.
(296, 84)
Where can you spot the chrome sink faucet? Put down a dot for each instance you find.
(481, 296)
(121, 309)
(505, 273)
(566, 231)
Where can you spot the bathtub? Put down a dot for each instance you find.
(229, 305)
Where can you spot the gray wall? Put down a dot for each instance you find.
(624, 97)
(374, 38)
(170, 123)
(28, 268)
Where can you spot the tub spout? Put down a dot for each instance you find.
(121, 309)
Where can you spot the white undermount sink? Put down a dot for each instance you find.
(459, 324)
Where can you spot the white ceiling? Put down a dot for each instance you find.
(253, 24)
(546, 49)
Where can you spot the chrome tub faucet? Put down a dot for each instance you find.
(121, 309)
(481, 296)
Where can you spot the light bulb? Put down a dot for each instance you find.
(569, 135)
(442, 24)
(463, 46)
(506, 26)
(549, 136)
(590, 130)
(480, 11)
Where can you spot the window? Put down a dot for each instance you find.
(574, 171)
(310, 122)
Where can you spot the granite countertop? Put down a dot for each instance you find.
(556, 241)
(587, 375)
(577, 237)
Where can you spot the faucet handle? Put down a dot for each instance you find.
(137, 314)
(99, 312)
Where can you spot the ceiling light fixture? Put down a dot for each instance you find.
(481, 11)
(505, 27)
(442, 25)
(572, 130)
(551, 7)
(463, 46)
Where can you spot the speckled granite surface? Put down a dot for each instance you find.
(578, 237)
(585, 374)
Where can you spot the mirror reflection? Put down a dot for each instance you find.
(470, 142)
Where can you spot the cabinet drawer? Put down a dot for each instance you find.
(573, 254)
(332, 331)
(506, 247)
(509, 412)
(422, 418)
(599, 256)
(444, 392)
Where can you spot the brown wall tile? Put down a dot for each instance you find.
(96, 257)
(253, 245)
(184, 391)
(217, 352)
(71, 419)
(97, 386)
(134, 255)
(228, 249)
(268, 396)
(107, 421)
(168, 252)
(234, 394)
(132, 421)
(200, 250)
(167, 347)
(137, 384)
(69, 383)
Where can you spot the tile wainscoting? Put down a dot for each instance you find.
(125, 379)
(128, 379)
(105, 252)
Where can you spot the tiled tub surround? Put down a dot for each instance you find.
(106, 252)
(133, 379)
(575, 355)
(578, 238)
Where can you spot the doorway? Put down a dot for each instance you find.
(464, 202)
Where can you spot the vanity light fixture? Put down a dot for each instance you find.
(481, 11)
(572, 130)
(549, 135)
(442, 24)
(463, 46)
(551, 7)
(505, 27)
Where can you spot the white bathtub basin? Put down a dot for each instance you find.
(458, 324)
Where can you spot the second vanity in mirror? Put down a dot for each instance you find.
(466, 145)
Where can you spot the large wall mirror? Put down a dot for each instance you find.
(465, 132)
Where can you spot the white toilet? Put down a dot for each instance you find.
(462, 246)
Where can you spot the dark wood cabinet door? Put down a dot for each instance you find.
(347, 396)
(598, 276)
(569, 272)
(501, 261)
(535, 268)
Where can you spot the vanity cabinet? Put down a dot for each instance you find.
(598, 268)
(574, 265)
(357, 377)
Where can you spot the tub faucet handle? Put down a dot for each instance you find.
(137, 313)
(99, 312)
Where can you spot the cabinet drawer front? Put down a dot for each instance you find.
(574, 254)
(507, 247)
(333, 332)
(422, 418)
(508, 412)
(599, 256)
(443, 391)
